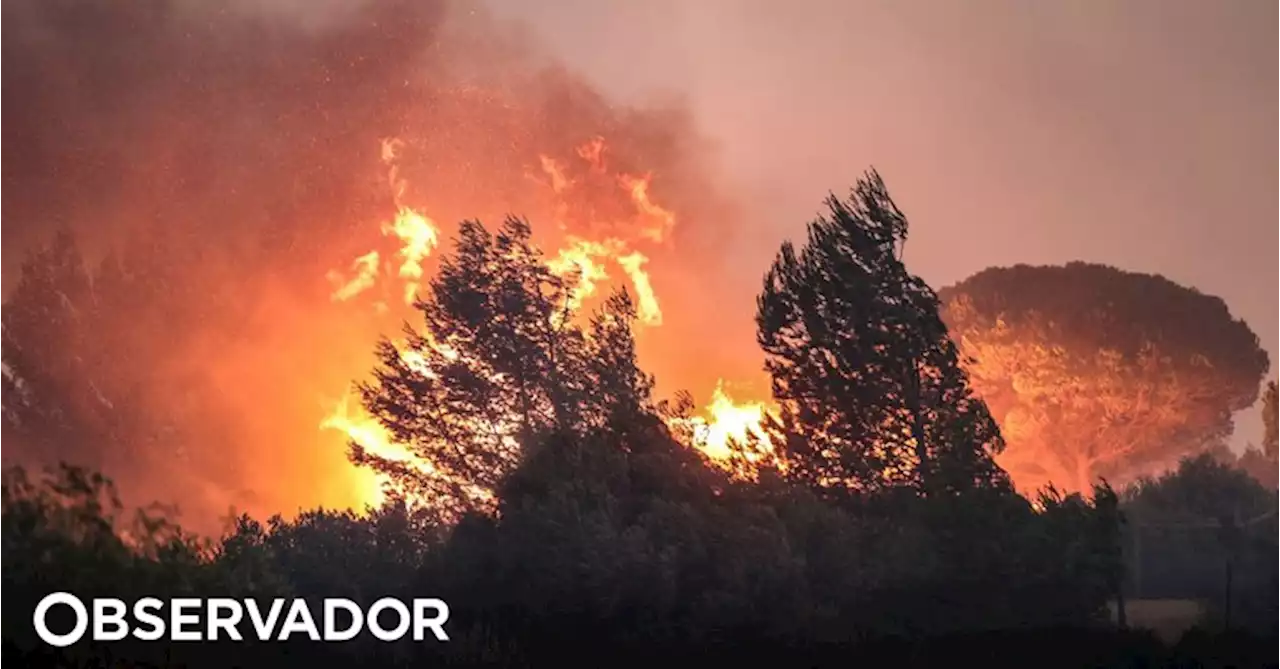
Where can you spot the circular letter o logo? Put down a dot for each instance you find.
(383, 634)
(60, 640)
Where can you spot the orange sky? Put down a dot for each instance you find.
(1139, 133)
(1009, 132)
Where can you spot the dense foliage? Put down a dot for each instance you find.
(868, 380)
(1097, 372)
(598, 534)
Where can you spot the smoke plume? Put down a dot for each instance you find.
(215, 162)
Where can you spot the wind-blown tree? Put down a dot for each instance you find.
(867, 379)
(1097, 372)
(501, 362)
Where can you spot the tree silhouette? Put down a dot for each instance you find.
(1096, 372)
(501, 361)
(868, 381)
(612, 538)
(1199, 488)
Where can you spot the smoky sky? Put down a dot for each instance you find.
(231, 152)
(232, 147)
(189, 115)
(1140, 134)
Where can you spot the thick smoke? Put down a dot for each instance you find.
(212, 161)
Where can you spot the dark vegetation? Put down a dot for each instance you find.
(569, 521)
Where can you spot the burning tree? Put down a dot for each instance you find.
(252, 140)
(500, 363)
(1097, 372)
(868, 382)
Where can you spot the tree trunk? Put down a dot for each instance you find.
(917, 425)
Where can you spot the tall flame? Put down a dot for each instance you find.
(418, 236)
(660, 220)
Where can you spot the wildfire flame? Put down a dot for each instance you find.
(361, 429)
(587, 256)
(727, 420)
(418, 236)
(370, 435)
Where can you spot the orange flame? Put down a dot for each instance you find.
(367, 432)
(646, 301)
(583, 255)
(418, 235)
(593, 153)
(728, 420)
(661, 221)
(366, 269)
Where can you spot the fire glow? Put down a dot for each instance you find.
(589, 259)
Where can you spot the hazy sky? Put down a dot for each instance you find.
(1141, 134)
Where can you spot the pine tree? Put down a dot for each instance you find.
(868, 382)
(501, 363)
(619, 388)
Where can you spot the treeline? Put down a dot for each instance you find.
(566, 517)
(1206, 532)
